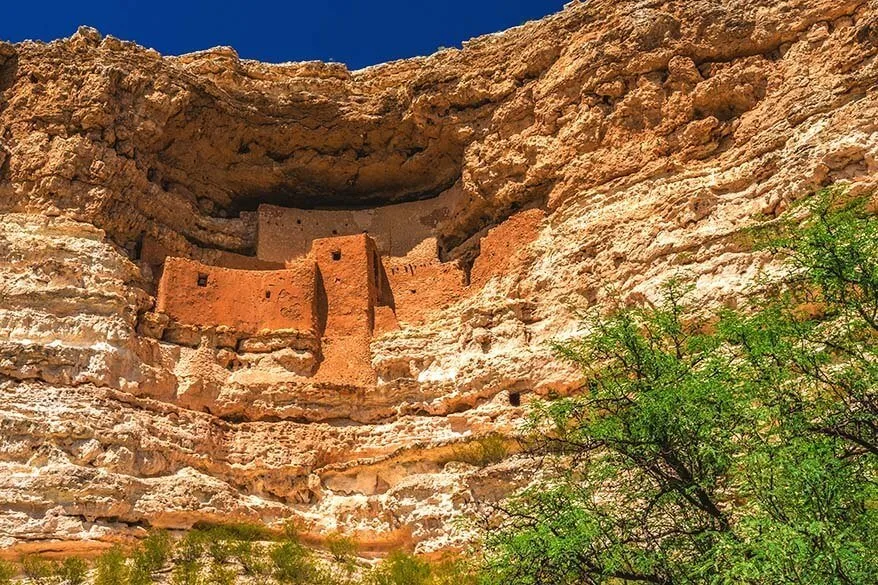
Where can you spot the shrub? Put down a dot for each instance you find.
(110, 568)
(252, 557)
(341, 547)
(453, 571)
(37, 570)
(221, 575)
(740, 452)
(400, 568)
(155, 550)
(236, 531)
(292, 563)
(290, 530)
(483, 451)
(140, 572)
(72, 571)
(7, 572)
(190, 548)
(187, 572)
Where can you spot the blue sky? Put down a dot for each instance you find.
(357, 33)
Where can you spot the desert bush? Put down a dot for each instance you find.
(482, 452)
(292, 563)
(37, 570)
(71, 571)
(187, 572)
(400, 568)
(236, 531)
(221, 575)
(155, 550)
(342, 548)
(149, 557)
(7, 572)
(253, 558)
(453, 571)
(191, 547)
(110, 568)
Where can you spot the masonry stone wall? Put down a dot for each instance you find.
(421, 284)
(250, 301)
(285, 233)
(350, 271)
(342, 289)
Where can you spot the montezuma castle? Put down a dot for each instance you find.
(323, 283)
(234, 291)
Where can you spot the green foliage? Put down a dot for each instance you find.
(236, 531)
(453, 571)
(156, 550)
(252, 557)
(221, 575)
(110, 568)
(342, 548)
(37, 570)
(400, 568)
(738, 447)
(292, 563)
(71, 571)
(151, 556)
(191, 547)
(483, 451)
(187, 572)
(7, 572)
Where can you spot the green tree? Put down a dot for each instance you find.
(737, 447)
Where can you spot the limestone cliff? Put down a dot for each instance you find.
(606, 147)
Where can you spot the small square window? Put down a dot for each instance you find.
(336, 255)
(268, 294)
(202, 279)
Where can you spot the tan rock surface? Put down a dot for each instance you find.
(649, 134)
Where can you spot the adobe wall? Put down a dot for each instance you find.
(238, 261)
(154, 254)
(500, 251)
(351, 274)
(285, 233)
(421, 284)
(246, 300)
(348, 272)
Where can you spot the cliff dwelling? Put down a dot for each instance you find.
(324, 282)
(234, 291)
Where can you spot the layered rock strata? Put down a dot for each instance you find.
(560, 164)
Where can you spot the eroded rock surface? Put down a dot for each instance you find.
(604, 148)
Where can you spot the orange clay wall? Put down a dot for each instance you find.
(246, 300)
(502, 248)
(421, 284)
(154, 254)
(350, 272)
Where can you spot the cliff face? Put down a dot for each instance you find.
(609, 146)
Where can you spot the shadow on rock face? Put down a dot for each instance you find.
(8, 69)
